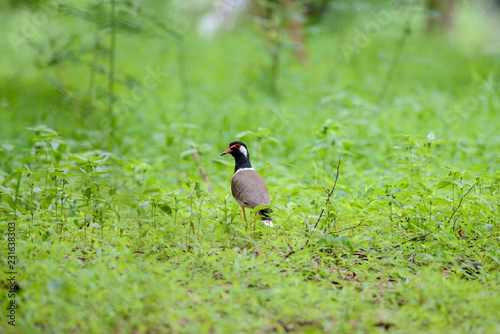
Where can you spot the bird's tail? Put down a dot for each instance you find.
(265, 215)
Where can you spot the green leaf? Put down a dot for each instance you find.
(487, 203)
(245, 133)
(8, 198)
(274, 140)
(79, 223)
(6, 190)
(79, 157)
(336, 240)
(187, 152)
(42, 128)
(151, 181)
(443, 184)
(477, 168)
(87, 192)
(47, 200)
(166, 208)
(488, 226)
(60, 174)
(101, 158)
(22, 170)
(450, 169)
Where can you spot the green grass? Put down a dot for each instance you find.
(133, 242)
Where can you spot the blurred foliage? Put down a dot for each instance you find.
(117, 231)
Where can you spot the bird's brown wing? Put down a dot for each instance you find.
(249, 189)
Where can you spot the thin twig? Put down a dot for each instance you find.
(202, 171)
(417, 238)
(349, 228)
(330, 193)
(459, 204)
(292, 251)
(423, 236)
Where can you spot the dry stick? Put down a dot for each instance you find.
(202, 171)
(459, 204)
(330, 193)
(348, 228)
(292, 251)
(417, 238)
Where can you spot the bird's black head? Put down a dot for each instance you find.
(240, 153)
(237, 149)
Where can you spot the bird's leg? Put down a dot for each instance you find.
(245, 218)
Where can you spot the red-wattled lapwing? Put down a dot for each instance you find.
(247, 186)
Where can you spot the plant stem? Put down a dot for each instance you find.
(330, 193)
(18, 185)
(459, 204)
(200, 168)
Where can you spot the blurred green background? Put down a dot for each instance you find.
(110, 110)
(372, 62)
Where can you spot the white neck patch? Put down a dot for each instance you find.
(242, 169)
(244, 151)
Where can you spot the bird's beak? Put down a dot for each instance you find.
(226, 152)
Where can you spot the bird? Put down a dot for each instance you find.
(248, 188)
